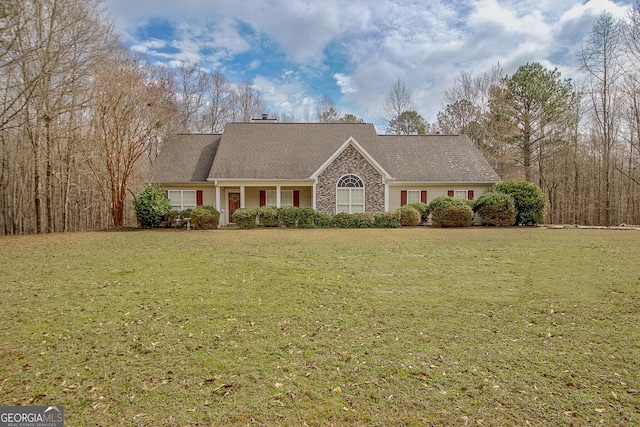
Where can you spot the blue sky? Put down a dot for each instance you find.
(296, 51)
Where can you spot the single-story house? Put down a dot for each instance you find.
(330, 167)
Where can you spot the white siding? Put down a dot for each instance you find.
(433, 191)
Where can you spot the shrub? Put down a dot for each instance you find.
(205, 218)
(387, 219)
(268, 216)
(530, 200)
(496, 208)
(363, 220)
(288, 216)
(409, 216)
(423, 209)
(306, 218)
(450, 212)
(245, 217)
(185, 213)
(151, 205)
(171, 218)
(344, 220)
(322, 220)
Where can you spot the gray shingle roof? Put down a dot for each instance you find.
(285, 150)
(296, 150)
(185, 158)
(435, 158)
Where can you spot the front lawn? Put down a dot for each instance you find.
(422, 326)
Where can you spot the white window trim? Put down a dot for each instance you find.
(182, 205)
(457, 194)
(351, 204)
(413, 194)
(271, 198)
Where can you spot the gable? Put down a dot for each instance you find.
(351, 145)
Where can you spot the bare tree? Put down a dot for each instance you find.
(247, 102)
(326, 110)
(49, 47)
(220, 97)
(129, 112)
(398, 101)
(192, 84)
(600, 61)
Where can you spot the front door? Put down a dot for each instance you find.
(234, 203)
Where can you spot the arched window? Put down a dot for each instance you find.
(350, 194)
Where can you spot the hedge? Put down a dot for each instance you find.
(530, 201)
(450, 212)
(267, 216)
(245, 217)
(205, 218)
(496, 208)
(409, 216)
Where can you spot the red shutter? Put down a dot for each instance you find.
(296, 198)
(403, 197)
(199, 198)
(470, 194)
(423, 196)
(263, 198)
(450, 193)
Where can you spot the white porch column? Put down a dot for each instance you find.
(242, 196)
(277, 196)
(313, 196)
(386, 197)
(218, 207)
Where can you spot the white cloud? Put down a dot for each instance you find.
(363, 47)
(345, 83)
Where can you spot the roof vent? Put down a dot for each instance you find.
(264, 118)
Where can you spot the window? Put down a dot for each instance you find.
(460, 194)
(182, 199)
(350, 195)
(413, 196)
(286, 198)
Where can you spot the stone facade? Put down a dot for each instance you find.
(350, 161)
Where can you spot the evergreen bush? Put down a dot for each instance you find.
(409, 216)
(268, 216)
(496, 208)
(530, 201)
(289, 215)
(306, 217)
(205, 218)
(344, 220)
(245, 217)
(423, 209)
(450, 212)
(151, 206)
(322, 220)
(387, 219)
(363, 220)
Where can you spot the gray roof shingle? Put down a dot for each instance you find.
(185, 158)
(435, 158)
(285, 150)
(296, 150)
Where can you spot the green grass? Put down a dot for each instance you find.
(475, 326)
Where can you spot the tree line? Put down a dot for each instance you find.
(82, 118)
